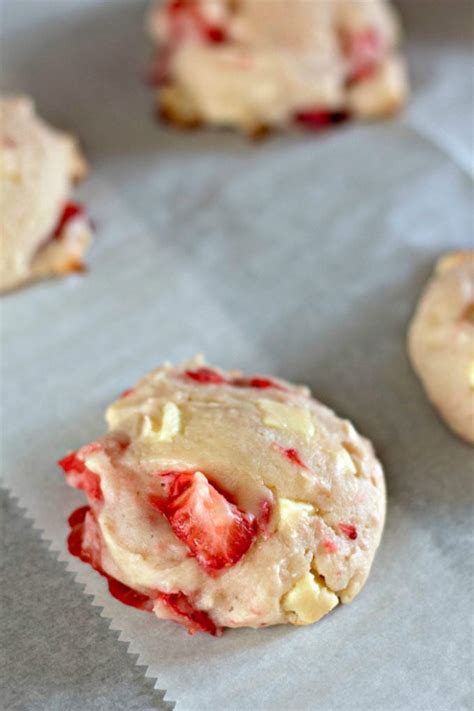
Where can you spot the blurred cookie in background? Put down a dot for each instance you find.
(257, 65)
(441, 341)
(43, 233)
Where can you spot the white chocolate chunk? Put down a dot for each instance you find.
(169, 427)
(308, 601)
(284, 417)
(291, 512)
(344, 462)
(170, 422)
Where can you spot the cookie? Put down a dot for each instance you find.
(441, 341)
(43, 233)
(257, 65)
(223, 500)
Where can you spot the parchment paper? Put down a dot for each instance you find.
(302, 257)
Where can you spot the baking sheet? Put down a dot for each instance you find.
(301, 257)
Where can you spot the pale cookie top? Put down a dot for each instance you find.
(441, 341)
(243, 493)
(254, 62)
(37, 167)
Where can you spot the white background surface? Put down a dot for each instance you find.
(301, 257)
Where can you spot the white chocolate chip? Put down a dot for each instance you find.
(284, 417)
(167, 429)
(291, 512)
(170, 422)
(308, 601)
(344, 462)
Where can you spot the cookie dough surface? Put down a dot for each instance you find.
(42, 233)
(228, 500)
(257, 64)
(441, 341)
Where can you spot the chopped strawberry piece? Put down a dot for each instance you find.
(364, 50)
(176, 6)
(85, 543)
(215, 34)
(348, 530)
(76, 522)
(127, 595)
(78, 516)
(185, 18)
(206, 376)
(317, 119)
(257, 382)
(329, 546)
(184, 613)
(262, 383)
(291, 454)
(294, 457)
(127, 392)
(216, 532)
(80, 477)
(70, 211)
(265, 509)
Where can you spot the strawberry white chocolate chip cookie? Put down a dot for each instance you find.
(43, 233)
(221, 500)
(441, 341)
(261, 64)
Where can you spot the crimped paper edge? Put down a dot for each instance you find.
(87, 580)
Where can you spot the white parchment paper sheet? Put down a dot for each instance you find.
(301, 257)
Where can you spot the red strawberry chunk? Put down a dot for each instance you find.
(184, 613)
(128, 596)
(215, 34)
(78, 516)
(70, 211)
(348, 530)
(265, 511)
(291, 454)
(185, 19)
(216, 532)
(262, 383)
(329, 546)
(256, 382)
(127, 392)
(84, 542)
(364, 50)
(206, 376)
(80, 477)
(317, 119)
(294, 457)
